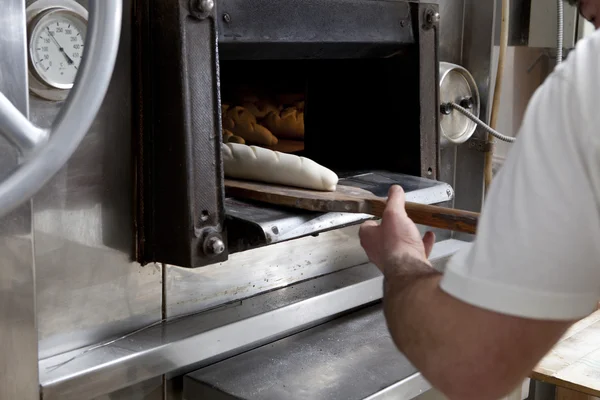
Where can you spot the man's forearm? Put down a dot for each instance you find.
(464, 351)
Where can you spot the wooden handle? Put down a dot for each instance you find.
(434, 216)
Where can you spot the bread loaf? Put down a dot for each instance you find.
(229, 137)
(286, 124)
(264, 165)
(260, 109)
(243, 124)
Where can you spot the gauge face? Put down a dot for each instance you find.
(56, 47)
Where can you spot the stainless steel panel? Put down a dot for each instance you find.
(256, 271)
(18, 334)
(88, 288)
(451, 32)
(350, 358)
(151, 389)
(450, 50)
(184, 344)
(479, 22)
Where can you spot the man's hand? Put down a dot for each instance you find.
(397, 237)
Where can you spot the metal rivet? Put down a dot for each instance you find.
(201, 8)
(432, 17)
(467, 103)
(214, 246)
(227, 18)
(445, 109)
(206, 6)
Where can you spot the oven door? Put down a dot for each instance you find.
(369, 97)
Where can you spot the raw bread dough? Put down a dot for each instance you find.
(243, 124)
(229, 137)
(286, 124)
(264, 165)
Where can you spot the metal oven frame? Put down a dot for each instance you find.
(181, 194)
(79, 318)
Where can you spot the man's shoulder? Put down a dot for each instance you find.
(577, 82)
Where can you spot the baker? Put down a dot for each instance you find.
(478, 330)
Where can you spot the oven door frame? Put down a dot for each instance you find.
(180, 179)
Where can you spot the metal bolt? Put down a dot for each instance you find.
(467, 103)
(206, 6)
(214, 246)
(403, 23)
(432, 17)
(201, 8)
(227, 18)
(445, 109)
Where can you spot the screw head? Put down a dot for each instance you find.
(206, 5)
(467, 103)
(202, 8)
(445, 109)
(214, 246)
(227, 18)
(433, 17)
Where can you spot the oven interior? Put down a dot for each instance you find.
(364, 104)
(358, 114)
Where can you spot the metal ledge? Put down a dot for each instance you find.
(349, 358)
(179, 346)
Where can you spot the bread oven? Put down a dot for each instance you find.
(131, 274)
(350, 84)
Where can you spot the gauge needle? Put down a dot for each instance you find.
(60, 48)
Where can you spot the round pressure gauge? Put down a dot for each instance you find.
(57, 32)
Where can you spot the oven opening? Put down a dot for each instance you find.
(350, 115)
(359, 117)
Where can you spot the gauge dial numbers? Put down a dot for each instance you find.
(56, 45)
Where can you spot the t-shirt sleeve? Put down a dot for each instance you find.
(537, 250)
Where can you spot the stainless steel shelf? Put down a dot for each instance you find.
(350, 358)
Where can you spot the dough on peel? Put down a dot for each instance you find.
(264, 165)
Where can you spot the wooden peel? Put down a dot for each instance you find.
(350, 200)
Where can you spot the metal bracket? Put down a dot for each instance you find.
(482, 146)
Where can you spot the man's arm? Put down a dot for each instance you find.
(534, 267)
(464, 351)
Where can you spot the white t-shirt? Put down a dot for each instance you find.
(537, 250)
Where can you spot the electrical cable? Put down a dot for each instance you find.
(479, 122)
(561, 32)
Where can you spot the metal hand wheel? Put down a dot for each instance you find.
(44, 152)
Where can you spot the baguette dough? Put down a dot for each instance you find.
(287, 124)
(264, 165)
(243, 124)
